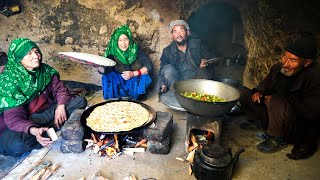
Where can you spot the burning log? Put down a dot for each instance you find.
(193, 145)
(143, 141)
(191, 156)
(94, 138)
(109, 145)
(116, 143)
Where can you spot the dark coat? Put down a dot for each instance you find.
(170, 55)
(142, 61)
(303, 95)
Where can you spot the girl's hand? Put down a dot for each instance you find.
(127, 75)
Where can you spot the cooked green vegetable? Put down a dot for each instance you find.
(203, 97)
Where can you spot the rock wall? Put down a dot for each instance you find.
(86, 26)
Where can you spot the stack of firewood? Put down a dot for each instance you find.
(109, 145)
(42, 170)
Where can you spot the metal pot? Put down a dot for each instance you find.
(203, 86)
(214, 162)
(232, 82)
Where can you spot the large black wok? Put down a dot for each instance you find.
(223, 90)
(86, 113)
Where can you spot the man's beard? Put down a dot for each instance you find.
(183, 42)
(290, 73)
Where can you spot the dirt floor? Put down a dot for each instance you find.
(251, 165)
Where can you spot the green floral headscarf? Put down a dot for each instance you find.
(126, 57)
(19, 86)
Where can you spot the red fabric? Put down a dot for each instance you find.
(17, 119)
(37, 104)
(2, 69)
(139, 72)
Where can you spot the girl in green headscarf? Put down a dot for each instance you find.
(130, 77)
(32, 98)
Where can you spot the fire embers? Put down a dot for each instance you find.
(114, 145)
(198, 138)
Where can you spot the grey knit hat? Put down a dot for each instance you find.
(178, 22)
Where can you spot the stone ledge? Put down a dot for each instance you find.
(161, 131)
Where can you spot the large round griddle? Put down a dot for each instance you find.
(152, 115)
(169, 99)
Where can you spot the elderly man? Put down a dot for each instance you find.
(286, 101)
(183, 59)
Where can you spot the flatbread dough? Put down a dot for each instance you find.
(117, 117)
(89, 59)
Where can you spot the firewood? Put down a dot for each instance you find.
(39, 174)
(194, 141)
(89, 140)
(191, 148)
(100, 143)
(96, 148)
(131, 177)
(30, 169)
(89, 145)
(141, 142)
(144, 145)
(180, 159)
(190, 169)
(39, 167)
(94, 138)
(135, 149)
(191, 156)
(53, 170)
(116, 143)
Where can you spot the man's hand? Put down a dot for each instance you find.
(256, 97)
(38, 133)
(203, 63)
(60, 115)
(267, 100)
(163, 89)
(127, 75)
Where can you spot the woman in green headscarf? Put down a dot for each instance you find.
(130, 77)
(32, 98)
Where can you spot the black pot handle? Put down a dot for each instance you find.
(236, 156)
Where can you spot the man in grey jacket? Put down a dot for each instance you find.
(184, 58)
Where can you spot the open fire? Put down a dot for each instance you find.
(113, 145)
(198, 138)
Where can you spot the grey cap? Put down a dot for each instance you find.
(178, 22)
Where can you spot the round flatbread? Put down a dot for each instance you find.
(117, 117)
(89, 59)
